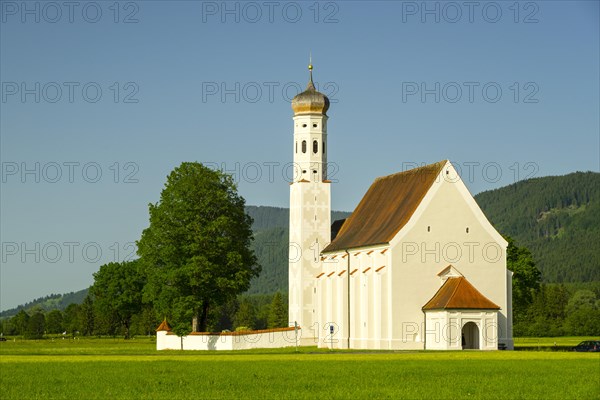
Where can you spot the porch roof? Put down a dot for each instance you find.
(459, 293)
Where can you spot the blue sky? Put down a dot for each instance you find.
(99, 103)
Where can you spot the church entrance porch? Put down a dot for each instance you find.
(470, 336)
(459, 317)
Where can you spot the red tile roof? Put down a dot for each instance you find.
(164, 326)
(459, 293)
(386, 207)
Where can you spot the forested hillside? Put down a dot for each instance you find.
(557, 218)
(48, 303)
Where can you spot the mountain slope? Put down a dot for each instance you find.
(48, 303)
(557, 218)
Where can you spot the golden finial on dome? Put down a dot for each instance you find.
(310, 101)
(310, 68)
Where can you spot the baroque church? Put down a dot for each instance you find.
(417, 265)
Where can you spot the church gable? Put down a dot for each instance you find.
(449, 204)
(386, 208)
(449, 272)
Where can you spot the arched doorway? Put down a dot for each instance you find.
(470, 336)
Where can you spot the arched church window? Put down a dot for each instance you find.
(304, 146)
(315, 146)
(467, 230)
(429, 229)
(314, 125)
(304, 125)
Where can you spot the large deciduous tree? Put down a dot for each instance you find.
(117, 292)
(20, 322)
(35, 326)
(526, 277)
(196, 250)
(54, 322)
(86, 316)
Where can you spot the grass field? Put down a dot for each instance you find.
(118, 369)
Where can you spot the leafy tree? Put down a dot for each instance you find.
(223, 317)
(245, 315)
(7, 327)
(35, 326)
(54, 322)
(117, 292)
(584, 321)
(545, 316)
(581, 299)
(555, 302)
(105, 322)
(145, 321)
(87, 316)
(526, 277)
(278, 317)
(72, 318)
(20, 322)
(196, 249)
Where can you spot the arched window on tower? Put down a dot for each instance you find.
(304, 146)
(315, 146)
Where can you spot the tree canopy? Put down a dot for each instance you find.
(526, 277)
(196, 251)
(117, 292)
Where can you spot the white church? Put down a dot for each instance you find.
(417, 265)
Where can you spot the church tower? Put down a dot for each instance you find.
(310, 207)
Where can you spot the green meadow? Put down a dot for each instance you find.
(119, 369)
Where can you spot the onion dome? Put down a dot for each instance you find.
(310, 101)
